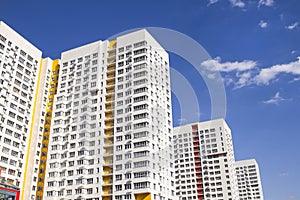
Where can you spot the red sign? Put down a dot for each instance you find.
(11, 192)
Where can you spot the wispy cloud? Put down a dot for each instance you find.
(217, 65)
(263, 24)
(292, 26)
(283, 174)
(237, 3)
(276, 99)
(210, 2)
(268, 74)
(265, 3)
(234, 3)
(228, 81)
(295, 80)
(244, 79)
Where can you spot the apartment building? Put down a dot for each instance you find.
(23, 83)
(249, 181)
(204, 161)
(75, 142)
(111, 135)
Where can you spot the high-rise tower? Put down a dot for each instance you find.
(74, 161)
(249, 182)
(23, 81)
(112, 122)
(205, 161)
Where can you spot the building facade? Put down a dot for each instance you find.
(74, 163)
(204, 161)
(22, 85)
(249, 181)
(112, 123)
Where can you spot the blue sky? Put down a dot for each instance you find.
(254, 44)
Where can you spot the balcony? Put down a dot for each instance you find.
(111, 74)
(109, 106)
(109, 115)
(111, 68)
(109, 119)
(110, 82)
(107, 171)
(107, 192)
(108, 143)
(108, 163)
(107, 181)
(108, 133)
(110, 90)
(111, 59)
(108, 153)
(109, 124)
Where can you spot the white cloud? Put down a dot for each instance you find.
(263, 24)
(216, 65)
(292, 26)
(265, 3)
(246, 72)
(293, 51)
(267, 74)
(269, 2)
(276, 99)
(237, 3)
(210, 2)
(234, 3)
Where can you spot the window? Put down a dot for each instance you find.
(139, 44)
(127, 165)
(141, 185)
(118, 187)
(94, 62)
(127, 155)
(127, 176)
(127, 186)
(78, 181)
(121, 49)
(78, 191)
(128, 146)
(118, 177)
(118, 157)
(90, 171)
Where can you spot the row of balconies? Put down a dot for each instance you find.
(109, 124)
